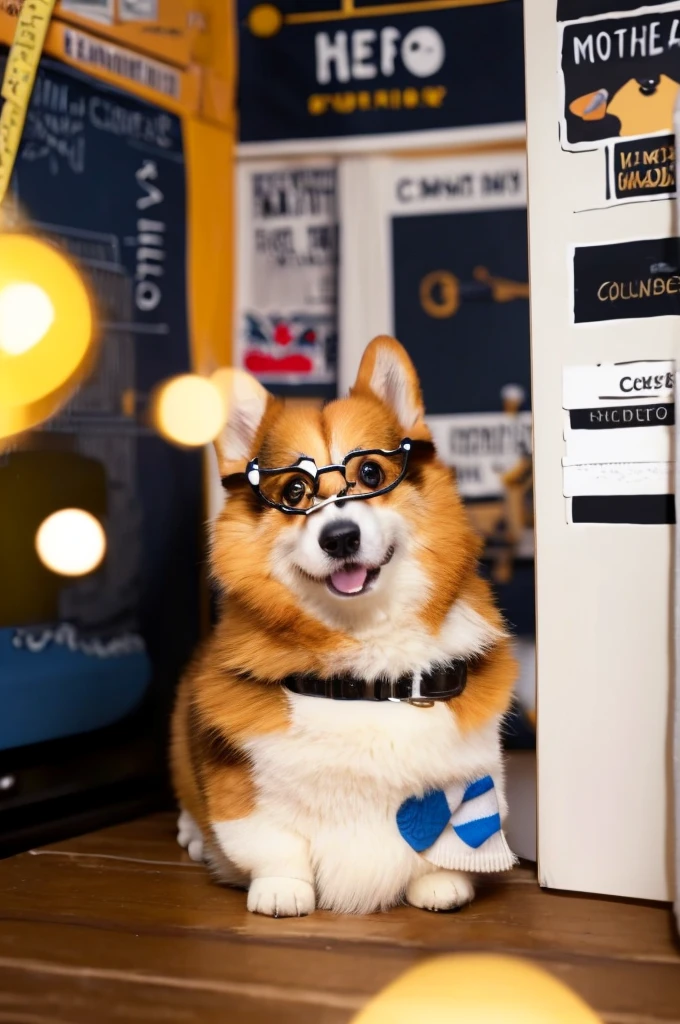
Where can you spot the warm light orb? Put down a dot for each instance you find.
(70, 542)
(46, 331)
(189, 410)
(477, 989)
(26, 315)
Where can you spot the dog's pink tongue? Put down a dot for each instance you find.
(349, 581)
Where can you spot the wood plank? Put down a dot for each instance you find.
(31, 997)
(120, 923)
(338, 976)
(158, 898)
(189, 959)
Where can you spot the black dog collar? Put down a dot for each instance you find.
(437, 684)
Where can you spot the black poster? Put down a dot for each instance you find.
(644, 168)
(468, 340)
(620, 71)
(349, 74)
(102, 175)
(626, 280)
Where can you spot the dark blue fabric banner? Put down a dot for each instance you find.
(347, 74)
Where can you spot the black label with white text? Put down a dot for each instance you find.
(659, 415)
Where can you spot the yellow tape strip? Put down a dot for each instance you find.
(17, 85)
(348, 10)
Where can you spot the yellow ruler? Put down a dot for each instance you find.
(17, 85)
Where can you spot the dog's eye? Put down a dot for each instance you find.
(294, 491)
(371, 475)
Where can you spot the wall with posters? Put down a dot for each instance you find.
(435, 251)
(337, 243)
(604, 283)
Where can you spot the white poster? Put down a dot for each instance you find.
(287, 268)
(618, 428)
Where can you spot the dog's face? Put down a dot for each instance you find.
(396, 553)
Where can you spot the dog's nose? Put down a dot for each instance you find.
(340, 539)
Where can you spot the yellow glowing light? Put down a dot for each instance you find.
(46, 331)
(189, 410)
(70, 542)
(477, 989)
(26, 315)
(265, 20)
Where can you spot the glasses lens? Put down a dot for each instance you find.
(293, 488)
(367, 474)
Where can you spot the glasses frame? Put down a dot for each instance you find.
(308, 467)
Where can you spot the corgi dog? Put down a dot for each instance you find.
(336, 741)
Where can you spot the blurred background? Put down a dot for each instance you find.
(252, 184)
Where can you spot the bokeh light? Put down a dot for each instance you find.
(477, 989)
(189, 410)
(46, 331)
(70, 542)
(26, 315)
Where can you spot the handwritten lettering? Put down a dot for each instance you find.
(124, 63)
(150, 242)
(633, 41)
(108, 116)
(307, 192)
(645, 166)
(634, 181)
(429, 96)
(613, 291)
(497, 440)
(656, 382)
(362, 54)
(412, 189)
(642, 415)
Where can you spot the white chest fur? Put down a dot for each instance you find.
(329, 786)
(341, 771)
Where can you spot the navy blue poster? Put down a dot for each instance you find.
(461, 305)
(320, 71)
(101, 174)
(460, 287)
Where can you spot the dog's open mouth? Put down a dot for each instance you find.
(352, 579)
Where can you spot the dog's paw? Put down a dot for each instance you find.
(281, 897)
(189, 836)
(440, 890)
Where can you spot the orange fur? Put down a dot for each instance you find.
(232, 691)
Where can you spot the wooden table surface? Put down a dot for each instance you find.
(119, 925)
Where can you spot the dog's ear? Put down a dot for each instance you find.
(246, 403)
(387, 372)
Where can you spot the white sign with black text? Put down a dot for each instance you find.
(618, 428)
